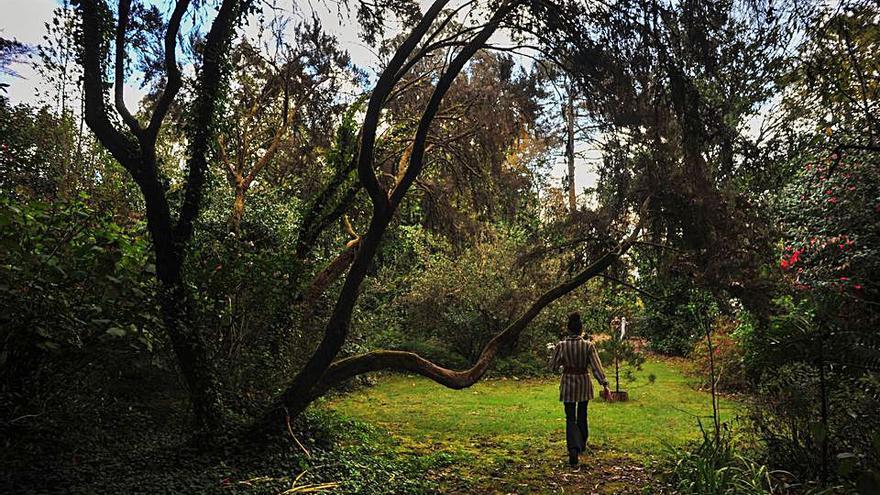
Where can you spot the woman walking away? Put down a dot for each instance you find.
(577, 357)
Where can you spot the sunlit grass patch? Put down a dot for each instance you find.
(520, 412)
(510, 433)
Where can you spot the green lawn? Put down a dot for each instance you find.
(513, 430)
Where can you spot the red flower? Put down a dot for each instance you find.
(786, 263)
(844, 279)
(832, 200)
(858, 287)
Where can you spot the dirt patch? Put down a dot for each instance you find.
(544, 471)
(601, 473)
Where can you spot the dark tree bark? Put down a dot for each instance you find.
(135, 149)
(321, 372)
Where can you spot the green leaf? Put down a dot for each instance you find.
(116, 332)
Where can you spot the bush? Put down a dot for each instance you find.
(520, 365)
(464, 301)
(667, 322)
(76, 285)
(786, 417)
(803, 361)
(730, 374)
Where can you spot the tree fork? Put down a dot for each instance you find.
(135, 150)
(297, 395)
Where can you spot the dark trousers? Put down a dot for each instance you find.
(576, 430)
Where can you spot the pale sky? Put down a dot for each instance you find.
(24, 20)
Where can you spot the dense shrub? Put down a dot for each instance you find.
(730, 373)
(667, 321)
(815, 407)
(141, 450)
(249, 289)
(464, 301)
(76, 286)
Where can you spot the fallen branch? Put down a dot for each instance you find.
(301, 446)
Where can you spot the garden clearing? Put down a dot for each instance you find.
(507, 436)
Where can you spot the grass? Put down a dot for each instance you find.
(509, 434)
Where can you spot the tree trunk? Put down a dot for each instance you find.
(135, 149)
(237, 210)
(190, 348)
(569, 149)
(616, 375)
(716, 421)
(193, 358)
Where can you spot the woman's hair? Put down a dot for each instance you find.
(575, 325)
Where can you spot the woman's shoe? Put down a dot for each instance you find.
(572, 457)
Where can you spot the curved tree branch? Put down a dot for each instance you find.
(383, 87)
(630, 286)
(119, 69)
(298, 394)
(417, 155)
(123, 149)
(410, 362)
(172, 71)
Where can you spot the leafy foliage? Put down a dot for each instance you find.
(618, 352)
(73, 279)
(713, 467)
(729, 360)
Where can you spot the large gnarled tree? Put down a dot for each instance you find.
(324, 370)
(133, 145)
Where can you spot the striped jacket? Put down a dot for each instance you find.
(578, 354)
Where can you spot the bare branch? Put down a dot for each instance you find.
(172, 71)
(118, 144)
(267, 156)
(629, 286)
(232, 172)
(119, 69)
(377, 99)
